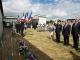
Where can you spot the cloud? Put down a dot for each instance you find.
(59, 13)
(15, 6)
(59, 8)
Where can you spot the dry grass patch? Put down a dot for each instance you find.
(42, 42)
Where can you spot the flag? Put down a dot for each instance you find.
(28, 16)
(23, 18)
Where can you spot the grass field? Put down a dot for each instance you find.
(47, 49)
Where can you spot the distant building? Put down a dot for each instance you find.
(42, 20)
(1, 18)
(9, 19)
(58, 20)
(71, 20)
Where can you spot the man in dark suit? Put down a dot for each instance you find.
(75, 34)
(78, 25)
(18, 25)
(57, 31)
(66, 32)
(22, 28)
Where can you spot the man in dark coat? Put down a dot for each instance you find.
(57, 31)
(18, 25)
(66, 32)
(78, 26)
(22, 28)
(75, 34)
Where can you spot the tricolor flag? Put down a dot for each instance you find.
(28, 16)
(23, 18)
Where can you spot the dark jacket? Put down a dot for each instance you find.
(75, 29)
(58, 28)
(78, 25)
(66, 30)
(22, 25)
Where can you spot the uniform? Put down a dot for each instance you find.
(57, 31)
(18, 25)
(22, 28)
(78, 27)
(75, 32)
(66, 33)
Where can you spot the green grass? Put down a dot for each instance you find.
(42, 41)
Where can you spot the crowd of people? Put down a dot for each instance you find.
(20, 28)
(67, 28)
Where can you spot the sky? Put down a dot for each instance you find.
(62, 9)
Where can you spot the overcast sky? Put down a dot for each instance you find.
(48, 8)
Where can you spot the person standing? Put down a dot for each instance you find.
(78, 25)
(51, 28)
(66, 32)
(17, 26)
(25, 26)
(57, 31)
(75, 34)
(22, 28)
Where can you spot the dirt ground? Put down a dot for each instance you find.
(47, 49)
(9, 46)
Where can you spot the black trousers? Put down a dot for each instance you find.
(58, 37)
(17, 30)
(75, 41)
(22, 30)
(66, 39)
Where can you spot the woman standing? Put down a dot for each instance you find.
(51, 30)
